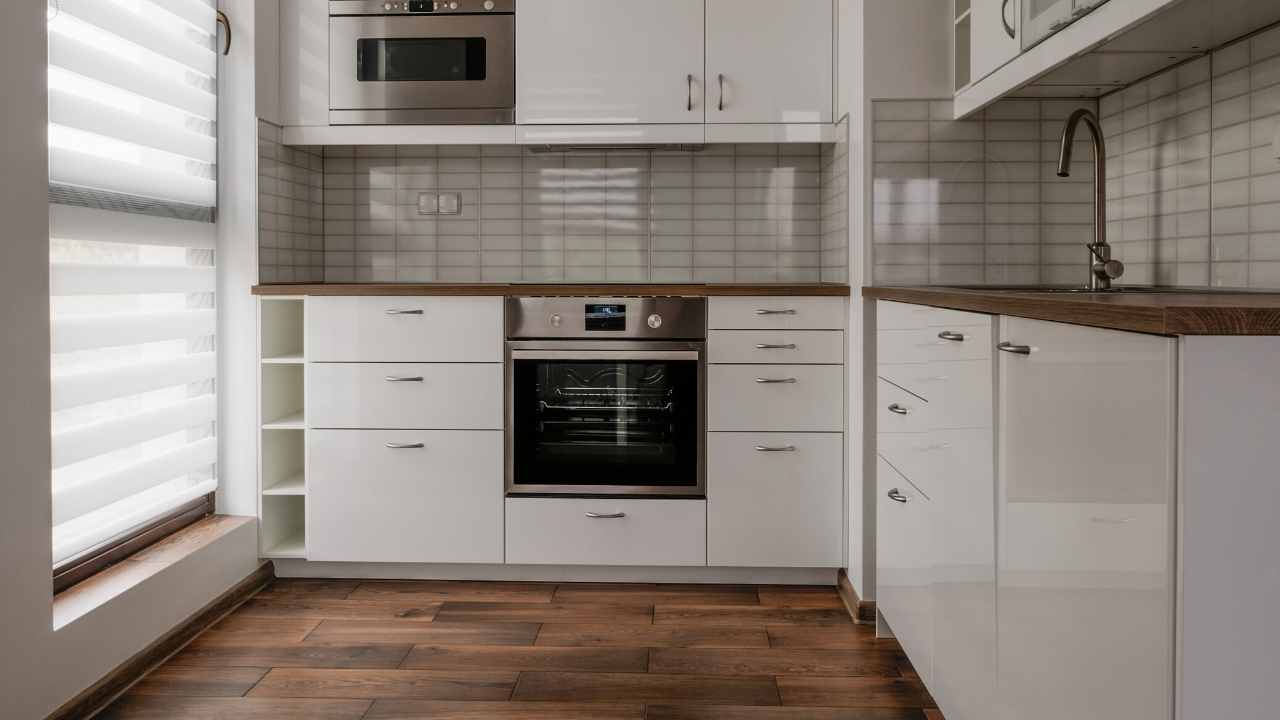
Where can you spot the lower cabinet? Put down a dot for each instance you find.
(405, 496)
(904, 565)
(582, 531)
(772, 499)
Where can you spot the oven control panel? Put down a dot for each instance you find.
(607, 318)
(421, 7)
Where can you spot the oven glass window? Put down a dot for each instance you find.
(605, 424)
(420, 59)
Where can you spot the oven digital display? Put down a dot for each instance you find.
(606, 317)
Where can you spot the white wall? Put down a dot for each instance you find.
(40, 669)
(908, 49)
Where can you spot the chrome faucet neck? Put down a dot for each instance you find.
(1102, 269)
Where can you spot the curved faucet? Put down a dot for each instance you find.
(1102, 269)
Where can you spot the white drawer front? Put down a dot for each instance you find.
(932, 460)
(441, 502)
(777, 313)
(775, 499)
(970, 342)
(404, 329)
(905, 316)
(822, 347)
(799, 398)
(559, 531)
(899, 411)
(388, 395)
(959, 392)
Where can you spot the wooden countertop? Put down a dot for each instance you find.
(1161, 313)
(571, 290)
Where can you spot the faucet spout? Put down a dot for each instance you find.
(1102, 269)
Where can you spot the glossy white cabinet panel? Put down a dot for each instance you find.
(449, 396)
(904, 565)
(404, 329)
(774, 499)
(440, 503)
(777, 313)
(994, 41)
(304, 62)
(1085, 512)
(799, 347)
(572, 531)
(933, 460)
(905, 316)
(769, 62)
(898, 411)
(796, 398)
(959, 392)
(596, 62)
(934, 344)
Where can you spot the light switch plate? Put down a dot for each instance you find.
(450, 203)
(428, 204)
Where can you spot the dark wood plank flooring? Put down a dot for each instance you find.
(408, 650)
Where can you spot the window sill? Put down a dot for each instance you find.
(82, 598)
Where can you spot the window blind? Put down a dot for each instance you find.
(132, 189)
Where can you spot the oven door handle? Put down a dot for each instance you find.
(605, 355)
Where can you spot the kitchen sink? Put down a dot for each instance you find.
(1124, 290)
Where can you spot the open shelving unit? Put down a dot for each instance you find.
(282, 456)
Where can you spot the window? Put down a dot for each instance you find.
(132, 189)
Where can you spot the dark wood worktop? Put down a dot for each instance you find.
(572, 290)
(1161, 313)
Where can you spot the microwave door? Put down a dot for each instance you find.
(422, 63)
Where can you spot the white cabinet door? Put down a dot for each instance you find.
(404, 329)
(799, 398)
(609, 62)
(769, 62)
(1085, 521)
(904, 565)
(994, 40)
(425, 396)
(774, 499)
(404, 496)
(304, 62)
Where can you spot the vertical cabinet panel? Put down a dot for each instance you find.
(775, 60)
(904, 565)
(596, 62)
(1085, 592)
(304, 62)
(994, 40)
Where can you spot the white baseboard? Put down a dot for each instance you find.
(557, 573)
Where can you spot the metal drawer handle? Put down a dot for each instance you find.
(932, 448)
(767, 346)
(720, 104)
(1111, 521)
(780, 448)
(606, 516)
(1015, 349)
(405, 446)
(689, 106)
(898, 409)
(896, 494)
(397, 378)
(952, 336)
(775, 381)
(395, 311)
(776, 312)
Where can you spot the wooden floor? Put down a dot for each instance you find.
(392, 650)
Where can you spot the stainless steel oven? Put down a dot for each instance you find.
(605, 396)
(422, 62)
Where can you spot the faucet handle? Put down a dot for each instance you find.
(1111, 268)
(1103, 265)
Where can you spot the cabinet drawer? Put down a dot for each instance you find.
(559, 531)
(932, 460)
(898, 411)
(799, 398)
(821, 347)
(404, 329)
(390, 395)
(775, 499)
(905, 316)
(972, 342)
(441, 502)
(776, 313)
(959, 393)
(904, 565)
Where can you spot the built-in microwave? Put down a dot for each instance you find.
(412, 62)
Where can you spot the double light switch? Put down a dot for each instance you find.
(439, 203)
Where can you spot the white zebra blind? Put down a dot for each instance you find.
(132, 153)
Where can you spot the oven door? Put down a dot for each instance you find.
(611, 418)
(438, 69)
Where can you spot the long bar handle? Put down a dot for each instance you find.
(689, 106)
(720, 104)
(401, 378)
(606, 516)
(405, 446)
(776, 312)
(896, 494)
(1015, 349)
(951, 335)
(396, 311)
(897, 409)
(779, 448)
(767, 346)
(776, 381)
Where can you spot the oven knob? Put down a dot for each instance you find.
(555, 321)
(453, 6)
(655, 321)
(488, 4)
(386, 6)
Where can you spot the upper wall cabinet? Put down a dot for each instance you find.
(995, 37)
(304, 62)
(609, 62)
(769, 62)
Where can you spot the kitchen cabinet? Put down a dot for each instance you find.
(404, 329)
(304, 62)
(801, 398)
(1085, 520)
(994, 38)
(769, 63)
(602, 531)
(609, 62)
(904, 565)
(454, 396)
(404, 496)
